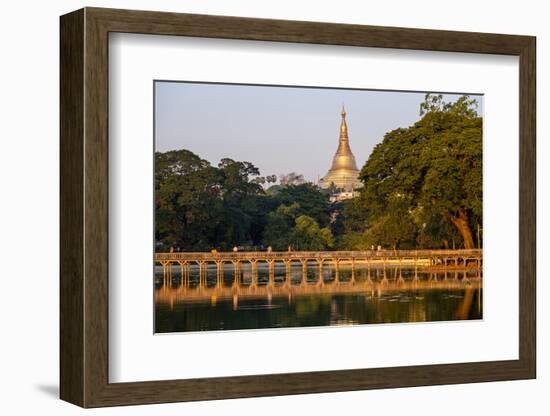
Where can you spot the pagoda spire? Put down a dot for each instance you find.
(343, 126)
(343, 172)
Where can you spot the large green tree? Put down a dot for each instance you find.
(240, 194)
(187, 200)
(420, 179)
(200, 207)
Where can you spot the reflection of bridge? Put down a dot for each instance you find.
(368, 259)
(455, 280)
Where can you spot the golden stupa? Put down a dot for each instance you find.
(343, 173)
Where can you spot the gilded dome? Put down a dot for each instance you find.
(343, 173)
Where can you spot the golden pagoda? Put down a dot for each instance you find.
(343, 173)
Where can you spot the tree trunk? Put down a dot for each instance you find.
(461, 223)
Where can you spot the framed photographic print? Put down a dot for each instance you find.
(255, 207)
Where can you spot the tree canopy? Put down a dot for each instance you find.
(201, 207)
(423, 184)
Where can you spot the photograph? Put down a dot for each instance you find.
(288, 206)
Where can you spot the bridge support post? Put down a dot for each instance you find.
(401, 274)
(254, 266)
(288, 274)
(337, 270)
(163, 273)
(271, 268)
(219, 273)
(236, 272)
(353, 270)
(321, 272)
(369, 278)
(182, 272)
(304, 272)
(202, 273)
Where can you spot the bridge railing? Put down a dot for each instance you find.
(301, 255)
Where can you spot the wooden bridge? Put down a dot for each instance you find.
(446, 259)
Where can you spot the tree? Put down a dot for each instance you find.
(422, 177)
(279, 226)
(286, 226)
(199, 207)
(240, 193)
(307, 235)
(291, 178)
(187, 200)
(311, 200)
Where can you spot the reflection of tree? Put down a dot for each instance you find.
(463, 311)
(319, 310)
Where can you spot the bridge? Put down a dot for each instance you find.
(370, 259)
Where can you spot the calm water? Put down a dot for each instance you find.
(364, 296)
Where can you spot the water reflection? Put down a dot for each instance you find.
(296, 296)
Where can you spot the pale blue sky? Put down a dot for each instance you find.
(278, 129)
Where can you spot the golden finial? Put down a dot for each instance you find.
(343, 126)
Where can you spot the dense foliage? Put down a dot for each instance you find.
(201, 207)
(423, 184)
(422, 189)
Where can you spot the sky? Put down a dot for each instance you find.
(278, 129)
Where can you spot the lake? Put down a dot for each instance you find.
(187, 301)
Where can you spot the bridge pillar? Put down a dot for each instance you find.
(337, 270)
(400, 275)
(163, 273)
(288, 272)
(182, 272)
(220, 265)
(321, 272)
(202, 273)
(353, 270)
(271, 268)
(304, 272)
(236, 272)
(369, 277)
(254, 266)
